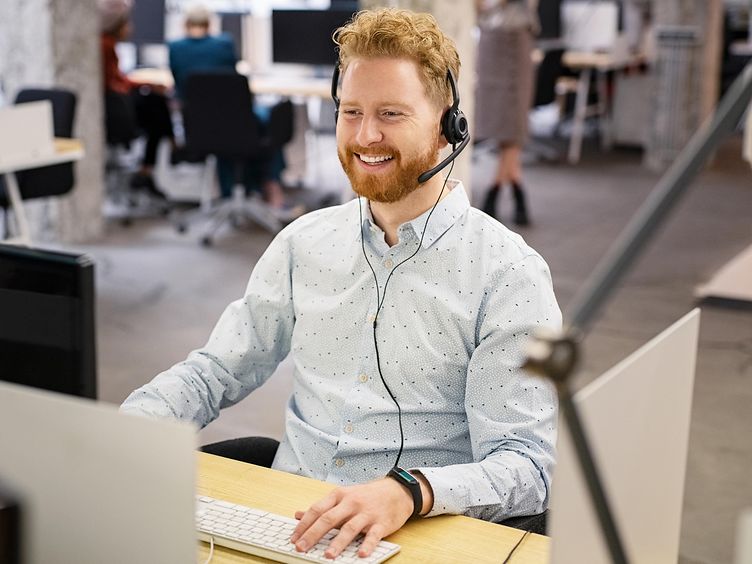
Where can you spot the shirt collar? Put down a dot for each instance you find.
(447, 212)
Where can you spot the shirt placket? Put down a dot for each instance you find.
(366, 374)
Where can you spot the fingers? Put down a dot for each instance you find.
(309, 517)
(347, 534)
(318, 523)
(372, 539)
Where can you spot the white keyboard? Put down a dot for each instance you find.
(265, 534)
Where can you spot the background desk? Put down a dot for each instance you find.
(587, 64)
(66, 150)
(446, 539)
(285, 85)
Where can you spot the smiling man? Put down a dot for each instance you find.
(406, 312)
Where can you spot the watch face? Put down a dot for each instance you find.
(404, 475)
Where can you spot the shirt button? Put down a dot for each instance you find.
(363, 378)
(388, 263)
(339, 462)
(348, 428)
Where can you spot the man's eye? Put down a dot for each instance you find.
(351, 112)
(391, 114)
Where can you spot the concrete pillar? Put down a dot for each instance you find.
(48, 43)
(457, 19)
(698, 82)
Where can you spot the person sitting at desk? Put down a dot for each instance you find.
(146, 104)
(201, 51)
(406, 312)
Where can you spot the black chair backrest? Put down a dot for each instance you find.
(119, 119)
(281, 124)
(52, 180)
(218, 116)
(549, 71)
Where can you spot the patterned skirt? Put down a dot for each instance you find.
(504, 87)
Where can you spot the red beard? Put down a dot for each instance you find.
(387, 187)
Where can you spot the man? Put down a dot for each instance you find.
(418, 368)
(200, 51)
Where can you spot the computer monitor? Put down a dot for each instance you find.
(232, 25)
(47, 327)
(637, 419)
(591, 25)
(148, 22)
(94, 485)
(305, 36)
(549, 14)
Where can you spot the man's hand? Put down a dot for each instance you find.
(377, 509)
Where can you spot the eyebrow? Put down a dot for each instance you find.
(389, 104)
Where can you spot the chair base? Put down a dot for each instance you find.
(236, 211)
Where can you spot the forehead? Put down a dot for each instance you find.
(387, 78)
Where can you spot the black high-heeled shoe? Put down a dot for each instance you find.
(520, 205)
(489, 202)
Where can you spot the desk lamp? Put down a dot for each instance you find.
(555, 354)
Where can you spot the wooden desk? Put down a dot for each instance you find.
(587, 65)
(66, 150)
(446, 539)
(279, 84)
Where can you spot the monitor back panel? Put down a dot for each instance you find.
(25, 132)
(96, 485)
(637, 419)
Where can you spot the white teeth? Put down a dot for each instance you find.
(373, 160)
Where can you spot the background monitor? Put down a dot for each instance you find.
(591, 25)
(47, 320)
(305, 36)
(232, 25)
(637, 418)
(549, 14)
(148, 22)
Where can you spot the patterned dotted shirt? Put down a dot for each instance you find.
(450, 334)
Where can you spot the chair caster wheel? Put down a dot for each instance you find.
(206, 241)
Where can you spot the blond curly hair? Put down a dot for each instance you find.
(390, 32)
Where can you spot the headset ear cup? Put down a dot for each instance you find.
(454, 126)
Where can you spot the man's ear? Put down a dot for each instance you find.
(442, 140)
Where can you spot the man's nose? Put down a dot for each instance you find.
(369, 131)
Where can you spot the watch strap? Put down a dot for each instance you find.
(412, 484)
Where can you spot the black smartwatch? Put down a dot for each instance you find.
(413, 486)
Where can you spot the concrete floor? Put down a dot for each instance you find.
(159, 294)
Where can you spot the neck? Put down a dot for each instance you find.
(390, 216)
(197, 32)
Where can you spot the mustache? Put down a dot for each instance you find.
(372, 151)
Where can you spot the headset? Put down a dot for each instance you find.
(454, 126)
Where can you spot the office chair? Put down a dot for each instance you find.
(47, 181)
(121, 131)
(547, 75)
(220, 123)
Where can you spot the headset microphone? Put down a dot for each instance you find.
(426, 176)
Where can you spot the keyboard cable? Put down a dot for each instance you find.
(511, 552)
(211, 550)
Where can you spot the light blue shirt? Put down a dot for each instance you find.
(451, 334)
